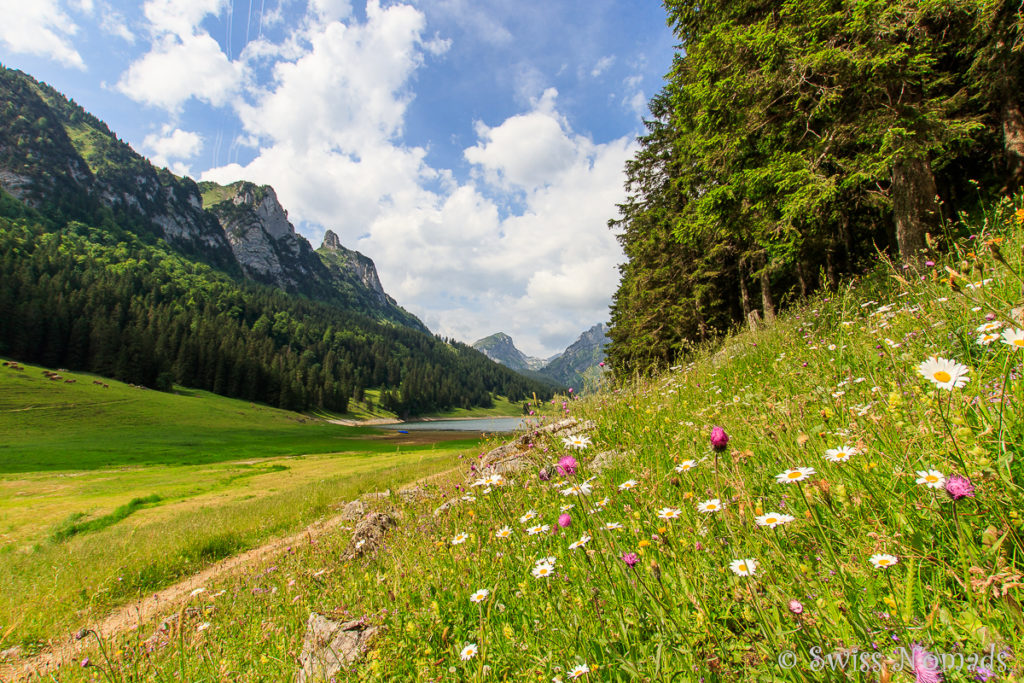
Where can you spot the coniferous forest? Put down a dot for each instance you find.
(795, 141)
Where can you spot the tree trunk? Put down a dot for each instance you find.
(1013, 142)
(745, 297)
(801, 276)
(767, 304)
(914, 207)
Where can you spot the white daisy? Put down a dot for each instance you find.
(882, 560)
(459, 538)
(986, 338)
(580, 543)
(685, 466)
(469, 652)
(990, 326)
(840, 454)
(794, 475)
(627, 485)
(546, 560)
(773, 519)
(528, 516)
(931, 478)
(612, 526)
(745, 567)
(480, 595)
(542, 571)
(538, 529)
(503, 532)
(567, 507)
(711, 505)
(579, 671)
(669, 513)
(584, 489)
(1014, 337)
(944, 373)
(577, 442)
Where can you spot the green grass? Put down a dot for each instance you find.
(842, 372)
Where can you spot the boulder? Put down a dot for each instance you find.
(606, 459)
(368, 534)
(329, 646)
(353, 511)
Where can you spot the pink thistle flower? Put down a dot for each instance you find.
(795, 607)
(925, 665)
(567, 466)
(719, 439)
(630, 559)
(564, 520)
(959, 487)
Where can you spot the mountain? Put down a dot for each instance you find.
(581, 359)
(499, 347)
(571, 368)
(111, 266)
(57, 158)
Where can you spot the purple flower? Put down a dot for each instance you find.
(983, 674)
(959, 487)
(567, 466)
(564, 520)
(630, 559)
(925, 665)
(929, 263)
(719, 438)
(795, 607)
(544, 474)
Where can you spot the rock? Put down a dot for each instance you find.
(519, 456)
(329, 646)
(353, 511)
(447, 505)
(606, 459)
(377, 495)
(411, 493)
(10, 653)
(368, 535)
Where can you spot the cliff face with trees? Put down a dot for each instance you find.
(794, 140)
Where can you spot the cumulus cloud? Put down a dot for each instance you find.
(39, 27)
(171, 147)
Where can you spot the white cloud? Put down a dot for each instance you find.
(39, 27)
(330, 10)
(180, 17)
(602, 65)
(169, 145)
(178, 68)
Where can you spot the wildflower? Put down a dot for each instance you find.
(580, 543)
(567, 507)
(627, 485)
(745, 567)
(546, 560)
(840, 454)
(543, 570)
(712, 505)
(579, 671)
(945, 374)
(503, 532)
(603, 502)
(773, 519)
(1014, 337)
(719, 439)
(203, 626)
(669, 513)
(584, 489)
(685, 466)
(795, 607)
(882, 560)
(959, 487)
(538, 529)
(460, 538)
(577, 442)
(564, 520)
(926, 668)
(480, 595)
(197, 591)
(528, 516)
(630, 559)
(544, 474)
(986, 338)
(469, 652)
(567, 466)
(795, 474)
(990, 326)
(933, 479)
(612, 526)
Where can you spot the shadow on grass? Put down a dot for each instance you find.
(72, 526)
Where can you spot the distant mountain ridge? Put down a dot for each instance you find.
(571, 368)
(56, 156)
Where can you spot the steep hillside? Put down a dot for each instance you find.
(581, 361)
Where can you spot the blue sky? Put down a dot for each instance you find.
(473, 148)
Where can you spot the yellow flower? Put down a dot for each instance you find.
(890, 602)
(644, 543)
(507, 630)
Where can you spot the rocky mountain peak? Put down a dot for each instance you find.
(331, 241)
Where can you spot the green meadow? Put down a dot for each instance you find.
(107, 494)
(859, 518)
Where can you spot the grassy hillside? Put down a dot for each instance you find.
(683, 562)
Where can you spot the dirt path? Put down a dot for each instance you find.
(165, 601)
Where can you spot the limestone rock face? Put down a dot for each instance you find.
(329, 646)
